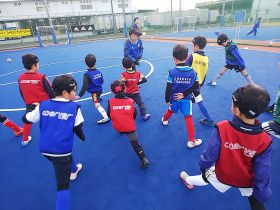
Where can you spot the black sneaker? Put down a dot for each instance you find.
(144, 163)
(269, 109)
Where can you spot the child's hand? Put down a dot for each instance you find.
(178, 96)
(169, 104)
(77, 97)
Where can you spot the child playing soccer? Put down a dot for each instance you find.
(93, 80)
(34, 88)
(136, 27)
(238, 153)
(255, 27)
(181, 82)
(233, 60)
(132, 79)
(122, 112)
(59, 119)
(199, 62)
(133, 48)
(10, 124)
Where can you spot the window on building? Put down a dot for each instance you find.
(17, 4)
(40, 9)
(125, 3)
(64, 2)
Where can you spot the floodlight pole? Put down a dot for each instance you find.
(114, 18)
(180, 8)
(50, 21)
(171, 14)
(124, 20)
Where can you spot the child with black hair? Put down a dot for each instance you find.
(59, 119)
(136, 27)
(255, 27)
(132, 79)
(233, 60)
(199, 62)
(133, 48)
(18, 131)
(92, 83)
(182, 81)
(34, 88)
(238, 152)
(122, 112)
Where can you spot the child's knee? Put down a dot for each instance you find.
(97, 105)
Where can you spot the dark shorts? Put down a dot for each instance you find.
(96, 96)
(62, 168)
(30, 107)
(235, 67)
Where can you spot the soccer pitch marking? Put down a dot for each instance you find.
(152, 68)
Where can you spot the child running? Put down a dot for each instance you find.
(59, 119)
(233, 60)
(199, 62)
(132, 79)
(182, 81)
(18, 131)
(255, 27)
(92, 83)
(122, 112)
(34, 88)
(133, 48)
(238, 153)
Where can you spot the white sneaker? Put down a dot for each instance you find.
(74, 175)
(164, 122)
(194, 143)
(183, 176)
(213, 83)
(25, 143)
(104, 120)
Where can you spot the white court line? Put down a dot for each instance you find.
(85, 99)
(58, 62)
(79, 71)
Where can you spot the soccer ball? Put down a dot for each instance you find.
(9, 60)
(270, 43)
(144, 33)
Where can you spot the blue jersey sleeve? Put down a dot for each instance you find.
(211, 152)
(140, 53)
(126, 50)
(169, 78)
(235, 53)
(262, 178)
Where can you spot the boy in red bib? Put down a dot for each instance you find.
(10, 124)
(132, 79)
(34, 88)
(238, 153)
(122, 113)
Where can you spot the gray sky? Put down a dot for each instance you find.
(165, 5)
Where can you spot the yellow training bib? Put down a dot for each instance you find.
(200, 66)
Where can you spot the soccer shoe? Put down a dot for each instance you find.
(74, 175)
(212, 83)
(183, 176)
(204, 121)
(194, 143)
(102, 121)
(19, 133)
(25, 143)
(144, 163)
(164, 122)
(269, 109)
(146, 116)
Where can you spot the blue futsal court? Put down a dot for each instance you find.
(111, 178)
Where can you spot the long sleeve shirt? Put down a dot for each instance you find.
(261, 163)
(132, 50)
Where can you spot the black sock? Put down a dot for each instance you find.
(255, 205)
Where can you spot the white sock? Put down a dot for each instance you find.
(249, 79)
(102, 112)
(196, 180)
(218, 76)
